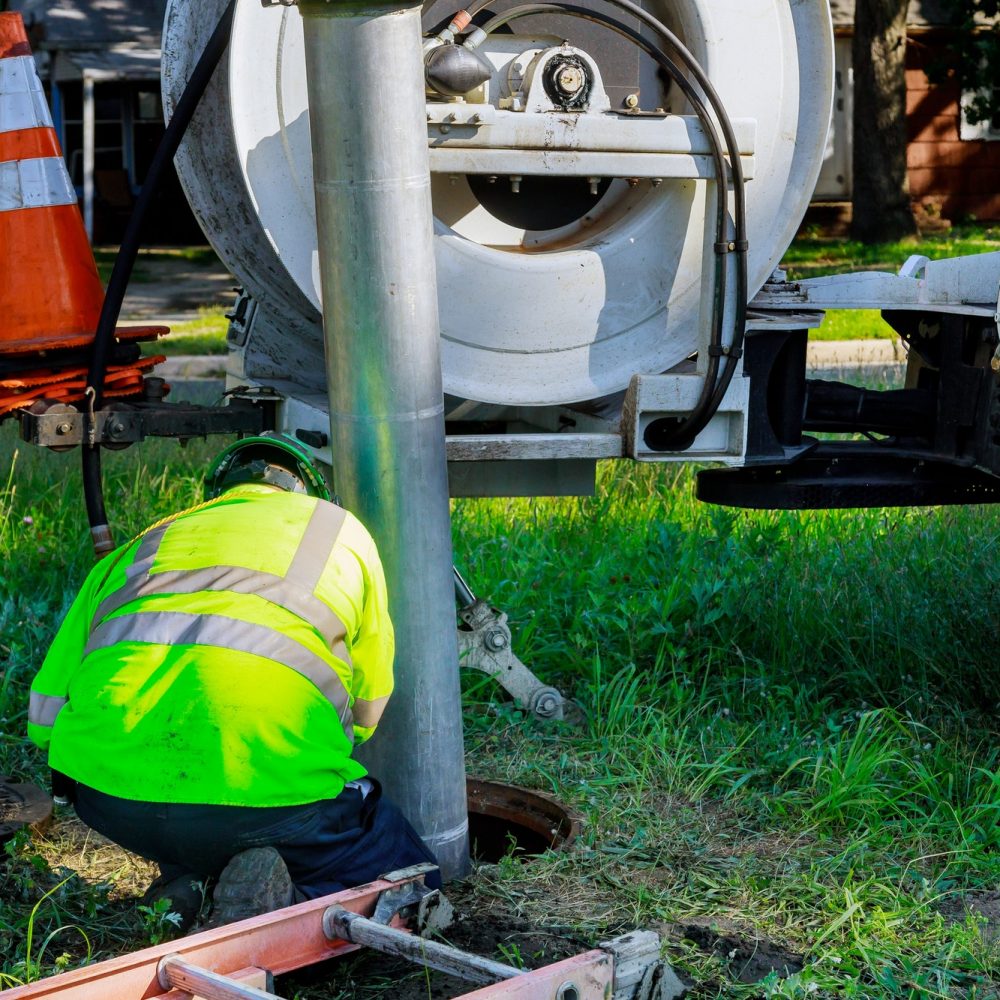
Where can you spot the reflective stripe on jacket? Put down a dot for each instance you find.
(232, 656)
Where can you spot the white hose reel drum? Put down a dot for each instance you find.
(562, 305)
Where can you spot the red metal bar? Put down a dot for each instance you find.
(590, 974)
(279, 942)
(291, 939)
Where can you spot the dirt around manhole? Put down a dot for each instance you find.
(498, 934)
(983, 905)
(749, 956)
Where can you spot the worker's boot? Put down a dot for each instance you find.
(254, 882)
(186, 893)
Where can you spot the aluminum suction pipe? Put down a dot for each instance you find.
(371, 172)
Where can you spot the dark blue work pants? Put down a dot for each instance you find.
(328, 846)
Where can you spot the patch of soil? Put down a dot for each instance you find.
(497, 934)
(749, 956)
(984, 904)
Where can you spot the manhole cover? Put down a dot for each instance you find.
(505, 817)
(21, 805)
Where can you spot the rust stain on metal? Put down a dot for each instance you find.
(541, 813)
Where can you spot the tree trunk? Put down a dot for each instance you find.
(881, 194)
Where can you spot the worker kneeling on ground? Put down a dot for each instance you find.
(206, 690)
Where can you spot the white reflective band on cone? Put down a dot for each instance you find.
(38, 183)
(22, 100)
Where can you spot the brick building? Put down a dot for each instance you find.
(953, 167)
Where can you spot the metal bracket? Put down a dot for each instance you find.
(485, 645)
(58, 426)
(422, 909)
(640, 973)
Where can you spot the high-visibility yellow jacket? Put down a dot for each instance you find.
(230, 656)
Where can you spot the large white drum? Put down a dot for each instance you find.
(529, 316)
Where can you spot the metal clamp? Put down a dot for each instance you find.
(424, 910)
(485, 645)
(640, 973)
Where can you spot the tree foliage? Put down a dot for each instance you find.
(972, 56)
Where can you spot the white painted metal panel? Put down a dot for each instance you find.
(542, 322)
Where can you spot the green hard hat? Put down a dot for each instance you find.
(269, 458)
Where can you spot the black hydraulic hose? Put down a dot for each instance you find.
(713, 387)
(665, 62)
(683, 432)
(118, 283)
(692, 426)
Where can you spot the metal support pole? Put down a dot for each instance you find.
(348, 926)
(374, 221)
(89, 144)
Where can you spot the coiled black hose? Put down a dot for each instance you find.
(93, 490)
(715, 385)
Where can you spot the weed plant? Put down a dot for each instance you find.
(786, 729)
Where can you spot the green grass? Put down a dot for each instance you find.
(853, 324)
(813, 255)
(788, 728)
(204, 335)
(201, 256)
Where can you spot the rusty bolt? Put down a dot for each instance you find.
(64, 428)
(495, 639)
(546, 705)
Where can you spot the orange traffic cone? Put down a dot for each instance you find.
(50, 293)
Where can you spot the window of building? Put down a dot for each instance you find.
(989, 128)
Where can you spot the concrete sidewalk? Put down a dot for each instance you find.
(175, 291)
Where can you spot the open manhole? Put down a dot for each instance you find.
(505, 818)
(21, 805)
